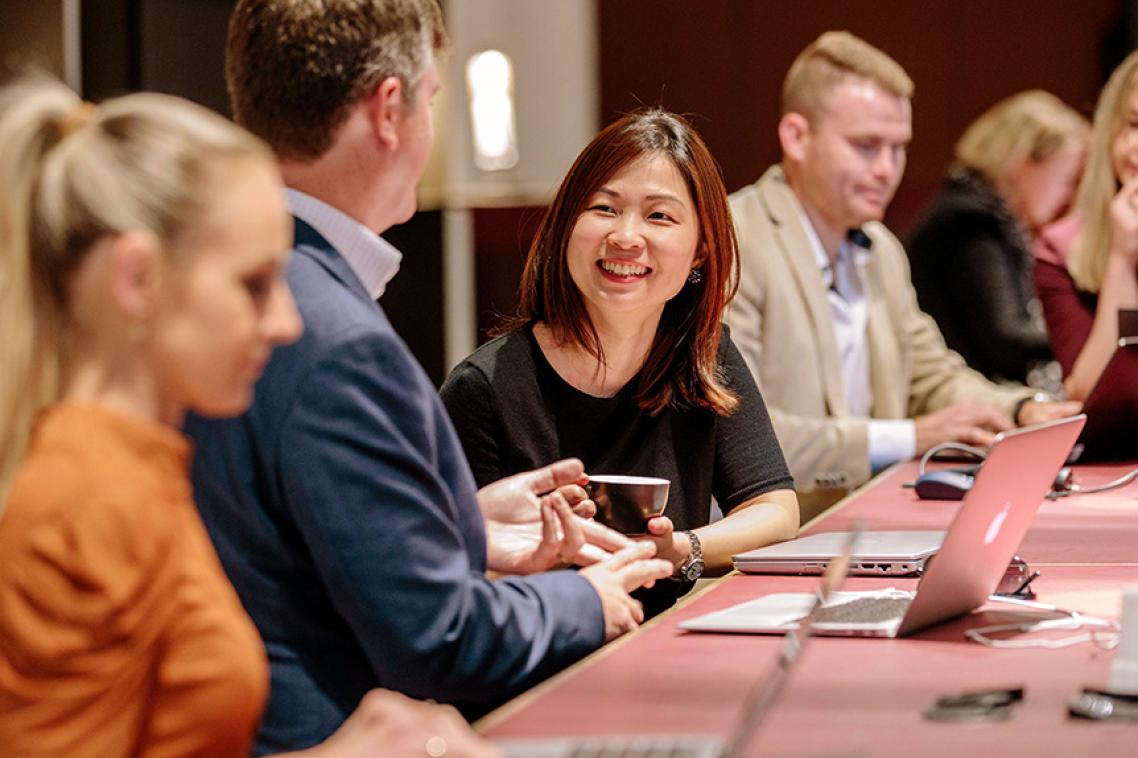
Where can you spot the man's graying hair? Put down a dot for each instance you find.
(295, 68)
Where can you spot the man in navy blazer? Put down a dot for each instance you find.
(341, 504)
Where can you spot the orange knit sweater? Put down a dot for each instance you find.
(119, 634)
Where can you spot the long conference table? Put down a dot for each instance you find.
(866, 697)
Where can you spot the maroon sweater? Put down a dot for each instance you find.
(1112, 407)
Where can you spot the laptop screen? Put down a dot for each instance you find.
(1111, 432)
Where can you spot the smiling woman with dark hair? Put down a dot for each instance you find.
(618, 356)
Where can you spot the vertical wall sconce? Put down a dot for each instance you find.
(490, 89)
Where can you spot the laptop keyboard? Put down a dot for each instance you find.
(643, 751)
(614, 747)
(863, 610)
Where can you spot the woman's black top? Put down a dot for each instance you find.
(513, 413)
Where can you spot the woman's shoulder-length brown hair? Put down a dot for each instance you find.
(681, 369)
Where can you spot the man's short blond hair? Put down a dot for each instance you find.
(828, 61)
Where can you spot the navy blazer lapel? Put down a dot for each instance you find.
(307, 241)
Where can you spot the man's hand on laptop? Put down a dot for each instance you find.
(538, 520)
(961, 422)
(1036, 412)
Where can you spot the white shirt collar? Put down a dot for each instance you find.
(889, 440)
(372, 258)
(847, 250)
(849, 311)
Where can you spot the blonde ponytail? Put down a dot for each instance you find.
(71, 174)
(29, 326)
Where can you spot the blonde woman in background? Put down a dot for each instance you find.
(142, 244)
(1085, 268)
(1015, 170)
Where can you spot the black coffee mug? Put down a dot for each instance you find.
(626, 503)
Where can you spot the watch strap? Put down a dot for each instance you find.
(695, 557)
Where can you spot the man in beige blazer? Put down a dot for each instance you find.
(855, 376)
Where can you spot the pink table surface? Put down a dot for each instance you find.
(848, 696)
(1080, 529)
(866, 696)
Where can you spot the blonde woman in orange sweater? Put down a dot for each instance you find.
(142, 244)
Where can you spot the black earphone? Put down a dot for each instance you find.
(1064, 482)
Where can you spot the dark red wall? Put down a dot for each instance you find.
(723, 62)
(502, 239)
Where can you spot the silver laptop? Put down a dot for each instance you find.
(759, 700)
(878, 554)
(992, 521)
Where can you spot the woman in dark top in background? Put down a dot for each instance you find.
(618, 355)
(1015, 171)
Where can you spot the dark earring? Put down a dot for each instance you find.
(695, 276)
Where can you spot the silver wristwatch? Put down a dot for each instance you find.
(692, 568)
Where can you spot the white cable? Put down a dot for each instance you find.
(1119, 482)
(1072, 620)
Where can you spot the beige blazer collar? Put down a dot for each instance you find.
(783, 209)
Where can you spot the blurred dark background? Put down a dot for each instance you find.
(719, 61)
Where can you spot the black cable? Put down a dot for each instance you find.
(977, 453)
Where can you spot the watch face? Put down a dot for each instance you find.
(694, 571)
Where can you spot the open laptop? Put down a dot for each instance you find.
(762, 696)
(878, 554)
(992, 521)
(1111, 432)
